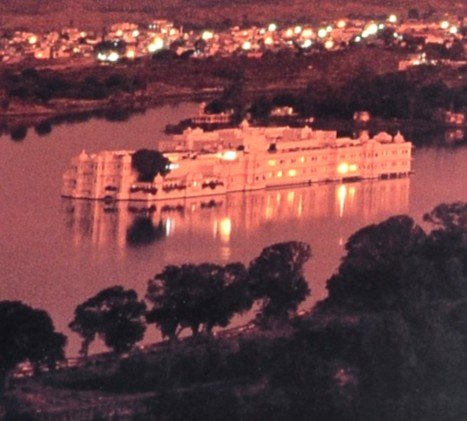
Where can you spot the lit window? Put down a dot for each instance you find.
(343, 168)
(271, 162)
(229, 155)
(279, 174)
(292, 173)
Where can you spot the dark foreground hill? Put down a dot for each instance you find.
(87, 13)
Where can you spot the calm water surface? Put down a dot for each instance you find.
(55, 253)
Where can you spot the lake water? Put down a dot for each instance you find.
(56, 253)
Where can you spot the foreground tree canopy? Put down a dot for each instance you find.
(277, 280)
(389, 342)
(115, 315)
(194, 296)
(209, 295)
(27, 334)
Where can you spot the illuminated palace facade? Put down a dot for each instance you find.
(240, 159)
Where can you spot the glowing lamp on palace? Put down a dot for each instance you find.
(307, 43)
(341, 24)
(83, 34)
(32, 39)
(329, 28)
(119, 33)
(272, 27)
(298, 30)
(130, 54)
(343, 168)
(453, 30)
(268, 41)
(381, 26)
(329, 44)
(392, 18)
(229, 155)
(135, 33)
(289, 33)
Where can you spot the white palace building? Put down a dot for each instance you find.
(239, 159)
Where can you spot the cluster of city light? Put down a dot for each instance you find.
(373, 28)
(207, 35)
(272, 27)
(307, 33)
(111, 56)
(446, 25)
(156, 45)
(246, 45)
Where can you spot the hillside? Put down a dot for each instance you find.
(46, 14)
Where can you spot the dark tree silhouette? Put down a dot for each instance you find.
(149, 163)
(261, 108)
(27, 334)
(448, 216)
(375, 272)
(195, 296)
(446, 250)
(276, 279)
(114, 314)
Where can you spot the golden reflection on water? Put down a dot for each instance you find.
(221, 217)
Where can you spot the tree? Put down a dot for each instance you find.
(382, 267)
(197, 296)
(446, 249)
(27, 334)
(261, 108)
(115, 315)
(149, 163)
(276, 279)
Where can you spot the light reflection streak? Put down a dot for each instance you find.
(106, 225)
(341, 196)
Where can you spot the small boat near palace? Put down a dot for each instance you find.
(239, 159)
